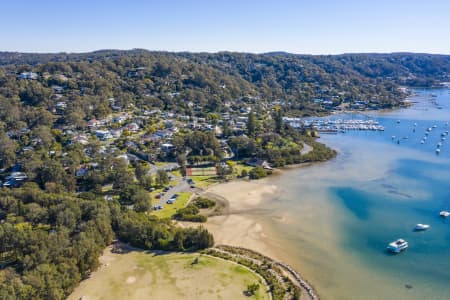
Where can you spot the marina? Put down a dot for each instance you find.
(335, 126)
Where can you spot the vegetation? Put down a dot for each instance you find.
(281, 287)
(78, 131)
(46, 237)
(191, 212)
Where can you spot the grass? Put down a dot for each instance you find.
(140, 275)
(239, 167)
(177, 173)
(204, 181)
(170, 209)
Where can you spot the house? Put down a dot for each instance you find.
(132, 127)
(80, 172)
(57, 89)
(103, 135)
(92, 123)
(28, 75)
(163, 134)
(255, 162)
(120, 119)
(167, 147)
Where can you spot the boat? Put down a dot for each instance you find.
(397, 246)
(422, 142)
(438, 151)
(420, 227)
(444, 214)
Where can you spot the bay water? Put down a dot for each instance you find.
(332, 221)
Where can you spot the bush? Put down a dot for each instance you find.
(257, 173)
(203, 203)
(244, 173)
(190, 214)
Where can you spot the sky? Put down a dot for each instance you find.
(257, 26)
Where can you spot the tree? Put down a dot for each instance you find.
(226, 130)
(161, 178)
(252, 289)
(141, 170)
(121, 176)
(251, 124)
(278, 118)
(8, 150)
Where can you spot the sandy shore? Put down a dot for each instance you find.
(234, 227)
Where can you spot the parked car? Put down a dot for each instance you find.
(13, 183)
(17, 176)
(170, 201)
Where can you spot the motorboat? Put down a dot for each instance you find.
(444, 214)
(397, 246)
(438, 151)
(420, 227)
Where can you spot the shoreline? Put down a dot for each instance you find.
(234, 228)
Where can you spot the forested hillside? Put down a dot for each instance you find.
(82, 136)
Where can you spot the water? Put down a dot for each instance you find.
(333, 221)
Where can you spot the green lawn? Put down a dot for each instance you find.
(239, 167)
(204, 181)
(176, 173)
(138, 275)
(170, 209)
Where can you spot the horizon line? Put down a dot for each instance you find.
(220, 51)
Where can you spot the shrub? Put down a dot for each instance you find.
(258, 172)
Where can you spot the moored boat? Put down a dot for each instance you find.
(397, 246)
(444, 214)
(420, 227)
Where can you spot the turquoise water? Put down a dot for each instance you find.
(333, 221)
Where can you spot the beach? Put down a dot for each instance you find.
(235, 227)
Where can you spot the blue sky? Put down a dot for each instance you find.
(298, 26)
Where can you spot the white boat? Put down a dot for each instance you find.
(438, 151)
(397, 246)
(421, 227)
(422, 142)
(444, 214)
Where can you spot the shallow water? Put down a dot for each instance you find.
(333, 221)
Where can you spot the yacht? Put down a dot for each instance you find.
(397, 246)
(444, 214)
(420, 227)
